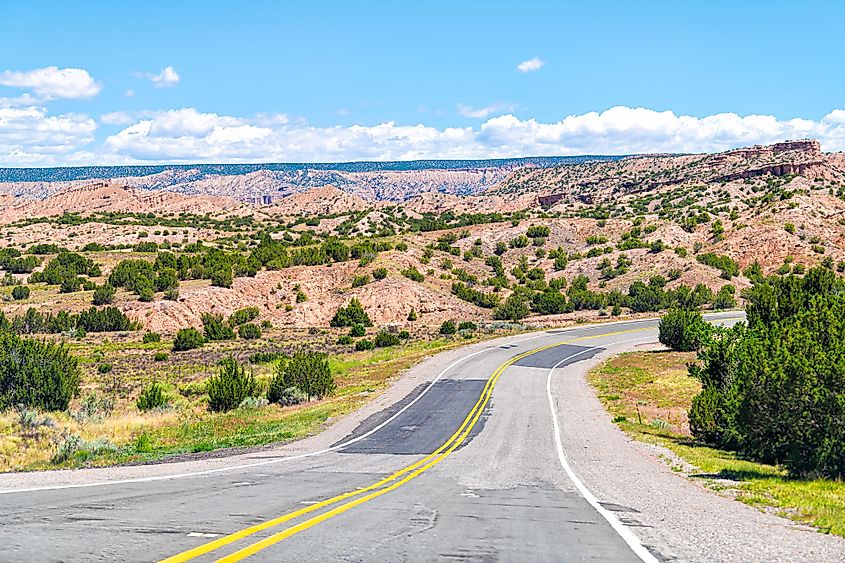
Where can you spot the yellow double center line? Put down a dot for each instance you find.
(389, 483)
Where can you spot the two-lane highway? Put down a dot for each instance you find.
(468, 466)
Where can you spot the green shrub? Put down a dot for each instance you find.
(412, 314)
(479, 298)
(266, 357)
(146, 246)
(344, 339)
(519, 242)
(242, 316)
(448, 327)
(538, 231)
(46, 248)
(380, 273)
(104, 368)
(103, 295)
(107, 319)
(363, 344)
(725, 264)
(513, 309)
(249, 331)
(307, 371)
(187, 339)
(683, 330)
(384, 339)
(774, 391)
(725, 298)
(467, 325)
(20, 292)
(150, 337)
(413, 274)
(230, 386)
(70, 284)
(36, 374)
(152, 397)
(160, 356)
(222, 277)
(357, 330)
(352, 314)
(360, 280)
(214, 328)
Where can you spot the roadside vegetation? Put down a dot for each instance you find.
(105, 403)
(756, 410)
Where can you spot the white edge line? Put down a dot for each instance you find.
(624, 532)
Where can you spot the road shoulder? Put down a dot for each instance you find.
(674, 517)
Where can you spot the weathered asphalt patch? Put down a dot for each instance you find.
(550, 357)
(426, 425)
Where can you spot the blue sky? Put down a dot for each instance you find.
(326, 81)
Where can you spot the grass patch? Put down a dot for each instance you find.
(648, 395)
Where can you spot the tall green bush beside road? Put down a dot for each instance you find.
(775, 390)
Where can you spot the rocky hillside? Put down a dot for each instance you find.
(670, 221)
(111, 197)
(267, 183)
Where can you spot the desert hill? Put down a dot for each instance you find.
(110, 197)
(655, 217)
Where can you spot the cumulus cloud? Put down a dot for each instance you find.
(31, 137)
(189, 135)
(624, 130)
(530, 65)
(165, 79)
(52, 82)
(484, 112)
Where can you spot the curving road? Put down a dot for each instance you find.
(464, 459)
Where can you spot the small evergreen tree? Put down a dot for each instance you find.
(232, 384)
(307, 371)
(352, 314)
(683, 330)
(103, 295)
(187, 339)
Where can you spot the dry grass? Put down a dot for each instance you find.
(188, 426)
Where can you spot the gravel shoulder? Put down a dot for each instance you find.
(676, 518)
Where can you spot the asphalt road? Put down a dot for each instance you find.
(467, 466)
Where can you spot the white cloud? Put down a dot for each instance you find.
(117, 118)
(530, 65)
(189, 135)
(52, 82)
(29, 135)
(165, 79)
(624, 130)
(485, 112)
(129, 93)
